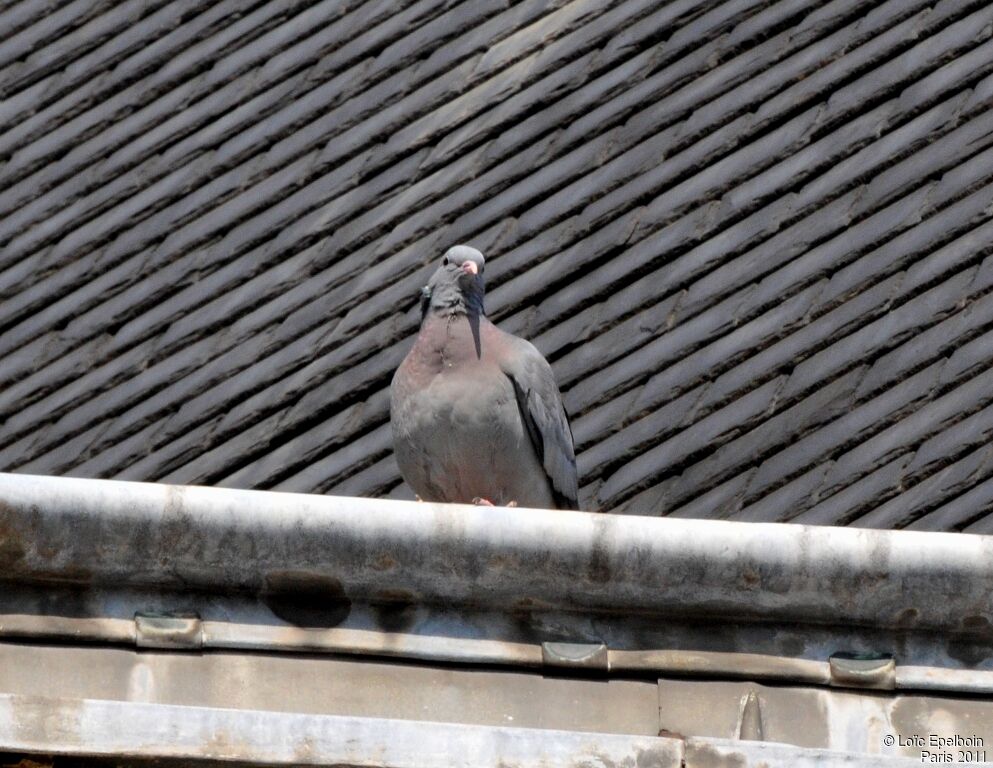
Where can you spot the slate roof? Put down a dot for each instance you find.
(751, 236)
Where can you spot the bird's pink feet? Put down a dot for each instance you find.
(479, 501)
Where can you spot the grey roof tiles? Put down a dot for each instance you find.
(751, 237)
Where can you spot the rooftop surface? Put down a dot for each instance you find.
(751, 237)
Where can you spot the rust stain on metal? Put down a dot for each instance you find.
(403, 596)
(528, 605)
(751, 578)
(908, 617)
(501, 560)
(12, 550)
(385, 562)
(978, 624)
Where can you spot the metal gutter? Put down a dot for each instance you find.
(517, 587)
(98, 532)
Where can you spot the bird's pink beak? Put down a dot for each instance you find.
(469, 267)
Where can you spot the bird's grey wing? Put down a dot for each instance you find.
(544, 416)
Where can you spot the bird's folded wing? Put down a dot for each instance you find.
(544, 416)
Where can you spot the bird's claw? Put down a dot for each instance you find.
(479, 501)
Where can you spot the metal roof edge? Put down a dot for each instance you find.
(103, 532)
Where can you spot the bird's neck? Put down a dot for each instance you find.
(449, 301)
(456, 337)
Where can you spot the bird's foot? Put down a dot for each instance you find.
(418, 498)
(479, 501)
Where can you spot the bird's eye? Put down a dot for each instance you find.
(445, 261)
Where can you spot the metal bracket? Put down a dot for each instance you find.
(171, 631)
(575, 656)
(851, 671)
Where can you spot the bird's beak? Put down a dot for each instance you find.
(469, 267)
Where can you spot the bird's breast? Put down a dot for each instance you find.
(460, 397)
(457, 427)
(447, 392)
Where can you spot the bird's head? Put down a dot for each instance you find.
(457, 286)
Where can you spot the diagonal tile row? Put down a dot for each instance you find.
(751, 237)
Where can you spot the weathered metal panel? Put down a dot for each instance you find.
(162, 566)
(101, 532)
(820, 718)
(129, 731)
(126, 731)
(638, 645)
(334, 686)
(246, 737)
(807, 718)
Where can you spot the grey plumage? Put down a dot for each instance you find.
(475, 411)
